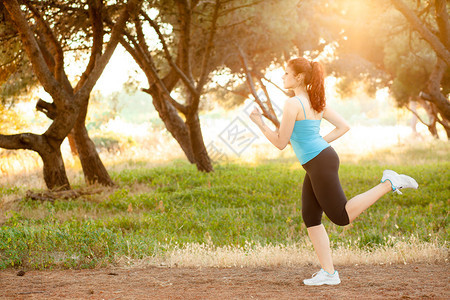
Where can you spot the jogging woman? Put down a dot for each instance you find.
(322, 191)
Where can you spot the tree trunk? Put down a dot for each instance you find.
(49, 150)
(202, 159)
(446, 125)
(447, 131)
(432, 117)
(73, 146)
(432, 129)
(433, 89)
(55, 176)
(93, 169)
(173, 122)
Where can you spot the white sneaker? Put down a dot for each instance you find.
(399, 181)
(323, 277)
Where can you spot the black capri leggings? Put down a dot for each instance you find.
(322, 191)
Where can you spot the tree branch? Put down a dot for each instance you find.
(239, 7)
(417, 115)
(417, 24)
(95, 14)
(206, 56)
(248, 75)
(273, 116)
(50, 84)
(28, 141)
(49, 109)
(433, 89)
(116, 33)
(251, 85)
(141, 38)
(147, 65)
(159, 83)
(55, 48)
(185, 37)
(244, 95)
(136, 53)
(188, 82)
(42, 42)
(444, 123)
(443, 22)
(162, 87)
(274, 84)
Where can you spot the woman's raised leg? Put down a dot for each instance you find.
(361, 202)
(391, 181)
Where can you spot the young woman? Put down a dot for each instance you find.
(322, 191)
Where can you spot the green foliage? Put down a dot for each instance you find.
(238, 203)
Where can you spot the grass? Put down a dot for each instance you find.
(241, 214)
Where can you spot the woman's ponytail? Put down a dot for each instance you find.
(316, 88)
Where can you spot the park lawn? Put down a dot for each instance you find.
(154, 210)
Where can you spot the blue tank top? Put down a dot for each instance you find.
(306, 140)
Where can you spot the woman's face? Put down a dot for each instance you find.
(290, 81)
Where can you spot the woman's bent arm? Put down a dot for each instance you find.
(338, 121)
(280, 137)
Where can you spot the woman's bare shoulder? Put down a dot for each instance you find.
(293, 100)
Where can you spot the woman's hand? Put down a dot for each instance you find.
(256, 116)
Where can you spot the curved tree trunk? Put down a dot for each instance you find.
(174, 124)
(48, 148)
(93, 169)
(202, 159)
(169, 114)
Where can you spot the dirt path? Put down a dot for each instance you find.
(411, 281)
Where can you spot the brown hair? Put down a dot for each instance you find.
(314, 80)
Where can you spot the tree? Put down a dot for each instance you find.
(178, 14)
(187, 55)
(373, 43)
(440, 42)
(45, 52)
(198, 39)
